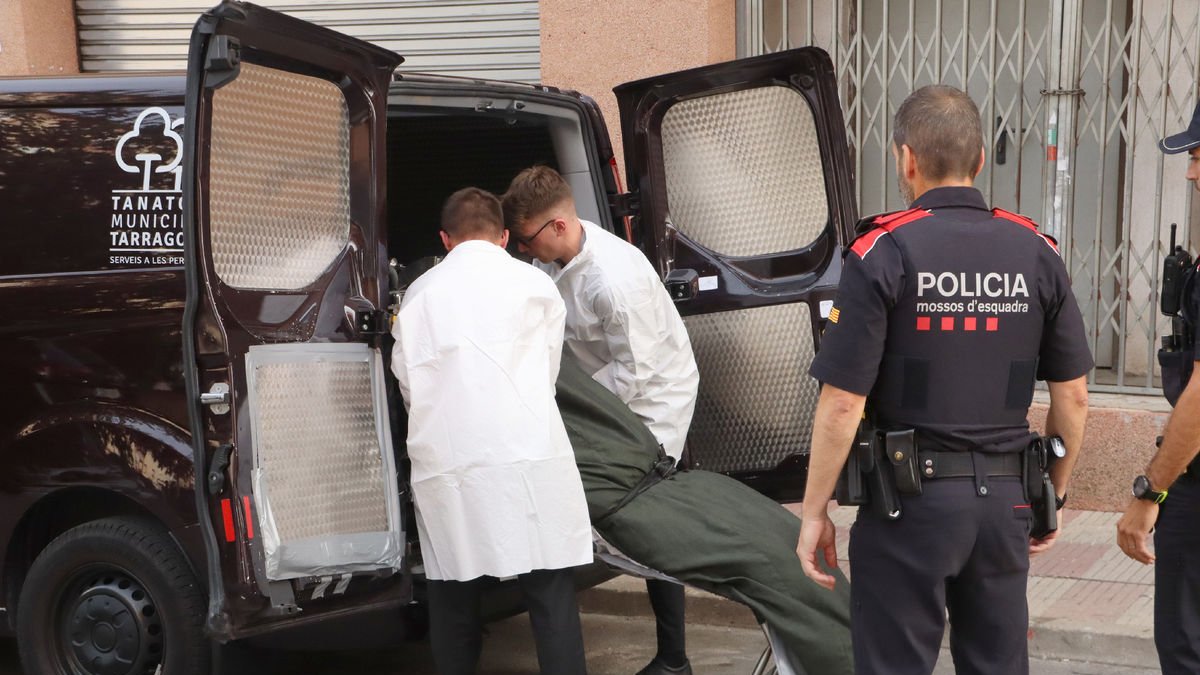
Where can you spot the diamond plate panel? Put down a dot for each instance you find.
(318, 448)
(280, 176)
(743, 171)
(756, 400)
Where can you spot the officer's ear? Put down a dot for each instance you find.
(446, 241)
(906, 161)
(982, 159)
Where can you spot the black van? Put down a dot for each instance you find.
(199, 439)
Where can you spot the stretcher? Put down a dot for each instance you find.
(704, 529)
(774, 659)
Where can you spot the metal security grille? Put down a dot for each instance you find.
(1074, 95)
(494, 39)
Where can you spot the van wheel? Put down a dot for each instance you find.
(112, 597)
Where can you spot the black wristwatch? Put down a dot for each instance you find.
(1060, 502)
(1143, 490)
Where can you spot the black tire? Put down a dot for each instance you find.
(112, 597)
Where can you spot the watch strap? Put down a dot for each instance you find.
(1150, 494)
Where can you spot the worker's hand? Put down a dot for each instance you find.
(1134, 527)
(818, 533)
(1042, 545)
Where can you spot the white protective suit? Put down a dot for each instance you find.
(478, 343)
(623, 327)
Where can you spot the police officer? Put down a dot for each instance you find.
(945, 315)
(1168, 493)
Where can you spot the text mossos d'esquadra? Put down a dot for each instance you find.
(977, 292)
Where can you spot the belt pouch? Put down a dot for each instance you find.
(1176, 371)
(902, 453)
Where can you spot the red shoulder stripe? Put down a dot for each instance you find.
(888, 218)
(865, 243)
(1015, 217)
(887, 222)
(904, 218)
(1026, 223)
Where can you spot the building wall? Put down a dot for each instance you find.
(37, 37)
(593, 45)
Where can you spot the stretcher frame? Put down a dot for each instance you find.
(774, 659)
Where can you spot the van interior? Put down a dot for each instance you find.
(438, 146)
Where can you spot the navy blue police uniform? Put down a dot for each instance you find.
(1177, 551)
(945, 315)
(1177, 531)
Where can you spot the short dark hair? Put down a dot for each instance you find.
(941, 125)
(535, 190)
(471, 213)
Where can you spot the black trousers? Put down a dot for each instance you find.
(951, 550)
(667, 601)
(1177, 579)
(456, 631)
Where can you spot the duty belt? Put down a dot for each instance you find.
(934, 465)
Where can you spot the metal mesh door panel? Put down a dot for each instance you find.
(318, 443)
(324, 476)
(756, 399)
(743, 171)
(280, 177)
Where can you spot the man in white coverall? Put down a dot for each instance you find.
(624, 329)
(478, 344)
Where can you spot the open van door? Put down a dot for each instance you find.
(741, 190)
(296, 479)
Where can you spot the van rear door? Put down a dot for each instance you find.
(296, 479)
(740, 179)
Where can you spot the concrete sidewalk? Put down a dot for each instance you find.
(1087, 601)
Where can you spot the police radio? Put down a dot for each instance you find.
(1177, 355)
(1175, 269)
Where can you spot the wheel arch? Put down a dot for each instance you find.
(54, 514)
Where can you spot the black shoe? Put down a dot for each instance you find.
(657, 667)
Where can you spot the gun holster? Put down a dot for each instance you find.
(851, 487)
(868, 477)
(1034, 467)
(881, 483)
(1039, 489)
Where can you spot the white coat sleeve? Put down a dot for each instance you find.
(633, 333)
(556, 318)
(399, 365)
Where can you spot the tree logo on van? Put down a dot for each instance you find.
(147, 161)
(146, 228)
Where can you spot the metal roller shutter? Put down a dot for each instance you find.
(495, 39)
